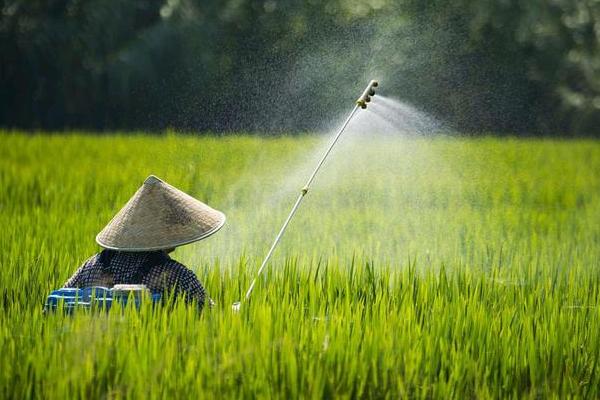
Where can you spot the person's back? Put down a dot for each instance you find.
(154, 269)
(157, 219)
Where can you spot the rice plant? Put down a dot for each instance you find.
(417, 268)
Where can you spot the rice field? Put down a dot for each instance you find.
(416, 268)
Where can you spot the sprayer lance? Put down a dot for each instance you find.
(367, 94)
(362, 103)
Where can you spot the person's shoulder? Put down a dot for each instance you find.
(85, 270)
(181, 273)
(91, 261)
(176, 266)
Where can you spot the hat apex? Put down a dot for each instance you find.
(152, 179)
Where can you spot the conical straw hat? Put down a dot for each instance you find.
(159, 217)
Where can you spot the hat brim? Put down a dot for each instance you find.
(170, 246)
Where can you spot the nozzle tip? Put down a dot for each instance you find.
(366, 96)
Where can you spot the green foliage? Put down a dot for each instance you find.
(421, 268)
(489, 65)
(509, 65)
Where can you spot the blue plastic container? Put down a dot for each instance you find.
(97, 297)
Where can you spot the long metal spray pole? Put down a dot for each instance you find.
(303, 193)
(360, 103)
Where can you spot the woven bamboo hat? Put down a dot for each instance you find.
(159, 217)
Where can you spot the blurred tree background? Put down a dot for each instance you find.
(503, 66)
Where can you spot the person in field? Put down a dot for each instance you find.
(138, 240)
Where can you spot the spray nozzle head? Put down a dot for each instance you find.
(366, 96)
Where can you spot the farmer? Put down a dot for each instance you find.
(156, 220)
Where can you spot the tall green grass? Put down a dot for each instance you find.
(421, 268)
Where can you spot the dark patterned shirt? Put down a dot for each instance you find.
(155, 269)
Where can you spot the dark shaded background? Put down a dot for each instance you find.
(502, 66)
